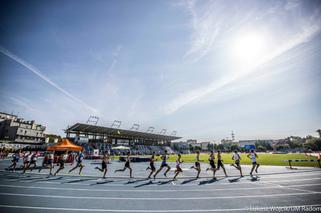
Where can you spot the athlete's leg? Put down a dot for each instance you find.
(198, 171)
(253, 167)
(120, 170)
(80, 169)
(151, 172)
(34, 166)
(58, 170)
(167, 170)
(130, 172)
(77, 165)
(50, 169)
(214, 171)
(160, 169)
(257, 166)
(223, 167)
(105, 171)
(240, 170)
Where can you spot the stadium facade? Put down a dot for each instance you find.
(103, 138)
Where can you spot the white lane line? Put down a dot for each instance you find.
(292, 180)
(289, 176)
(162, 211)
(158, 198)
(275, 186)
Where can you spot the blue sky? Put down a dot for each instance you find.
(202, 68)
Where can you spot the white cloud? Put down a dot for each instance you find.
(37, 72)
(206, 30)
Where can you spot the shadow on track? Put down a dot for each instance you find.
(79, 180)
(234, 180)
(136, 181)
(213, 180)
(102, 182)
(164, 182)
(254, 178)
(48, 178)
(25, 178)
(188, 181)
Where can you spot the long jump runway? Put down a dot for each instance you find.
(277, 192)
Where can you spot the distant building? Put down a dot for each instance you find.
(243, 143)
(181, 145)
(204, 145)
(191, 141)
(226, 141)
(16, 130)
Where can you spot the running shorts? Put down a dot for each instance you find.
(197, 164)
(62, 164)
(127, 164)
(220, 164)
(164, 164)
(104, 165)
(179, 169)
(212, 163)
(152, 166)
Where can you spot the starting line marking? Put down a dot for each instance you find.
(158, 211)
(158, 198)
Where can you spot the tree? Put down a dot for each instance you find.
(295, 142)
(319, 131)
(220, 147)
(264, 145)
(313, 143)
(234, 146)
(191, 148)
(215, 146)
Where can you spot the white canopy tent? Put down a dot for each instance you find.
(121, 147)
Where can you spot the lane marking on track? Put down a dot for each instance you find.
(275, 186)
(124, 177)
(180, 185)
(161, 211)
(158, 198)
(294, 180)
(191, 184)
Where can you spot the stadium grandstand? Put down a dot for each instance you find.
(104, 138)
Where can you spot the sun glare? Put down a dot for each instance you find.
(248, 48)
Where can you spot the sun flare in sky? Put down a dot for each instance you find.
(249, 48)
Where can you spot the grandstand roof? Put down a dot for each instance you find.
(115, 132)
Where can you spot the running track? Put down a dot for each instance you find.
(39, 193)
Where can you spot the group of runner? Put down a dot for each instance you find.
(197, 165)
(30, 162)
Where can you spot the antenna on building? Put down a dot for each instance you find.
(174, 133)
(150, 129)
(116, 124)
(93, 120)
(233, 136)
(163, 132)
(135, 127)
